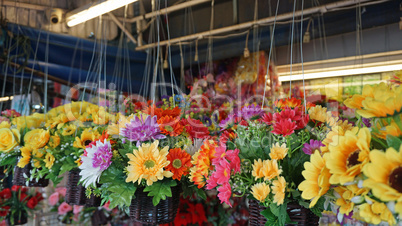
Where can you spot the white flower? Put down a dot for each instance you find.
(97, 160)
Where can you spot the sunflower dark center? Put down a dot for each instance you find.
(395, 179)
(87, 142)
(353, 159)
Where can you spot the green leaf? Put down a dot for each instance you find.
(271, 218)
(66, 167)
(160, 189)
(279, 212)
(201, 193)
(394, 142)
(120, 194)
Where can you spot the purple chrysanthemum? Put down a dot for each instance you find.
(97, 158)
(227, 121)
(140, 129)
(103, 156)
(251, 111)
(310, 148)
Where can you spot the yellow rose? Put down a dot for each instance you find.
(5, 124)
(9, 138)
(36, 138)
(32, 121)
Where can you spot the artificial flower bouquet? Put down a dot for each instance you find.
(260, 155)
(142, 153)
(17, 203)
(357, 170)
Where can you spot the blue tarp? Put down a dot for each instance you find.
(69, 58)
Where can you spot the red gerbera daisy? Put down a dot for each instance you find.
(180, 162)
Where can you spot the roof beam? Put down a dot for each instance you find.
(285, 16)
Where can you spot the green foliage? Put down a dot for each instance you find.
(160, 190)
(394, 142)
(117, 190)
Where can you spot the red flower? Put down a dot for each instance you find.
(195, 128)
(199, 214)
(23, 197)
(227, 135)
(32, 202)
(4, 211)
(267, 118)
(5, 194)
(39, 197)
(15, 188)
(284, 127)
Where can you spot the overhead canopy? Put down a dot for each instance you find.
(78, 60)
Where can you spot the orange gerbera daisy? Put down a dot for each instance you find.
(288, 102)
(170, 126)
(202, 161)
(159, 112)
(180, 162)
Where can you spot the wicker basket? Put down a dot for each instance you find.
(75, 194)
(19, 220)
(98, 218)
(142, 210)
(20, 180)
(93, 201)
(296, 213)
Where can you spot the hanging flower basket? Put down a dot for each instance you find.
(296, 213)
(18, 219)
(93, 201)
(20, 180)
(99, 218)
(142, 210)
(75, 194)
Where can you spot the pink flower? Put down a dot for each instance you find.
(220, 154)
(106, 206)
(62, 191)
(64, 208)
(77, 209)
(54, 199)
(233, 157)
(222, 172)
(212, 181)
(284, 127)
(225, 191)
(76, 217)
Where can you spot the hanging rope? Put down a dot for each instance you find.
(270, 53)
(291, 49)
(301, 56)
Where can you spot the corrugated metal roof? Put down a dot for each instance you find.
(30, 13)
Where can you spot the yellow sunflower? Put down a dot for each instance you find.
(318, 113)
(87, 136)
(278, 152)
(26, 156)
(36, 138)
(260, 191)
(384, 127)
(379, 100)
(54, 141)
(376, 212)
(147, 163)
(346, 193)
(384, 174)
(68, 130)
(316, 176)
(347, 155)
(278, 189)
(49, 160)
(338, 129)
